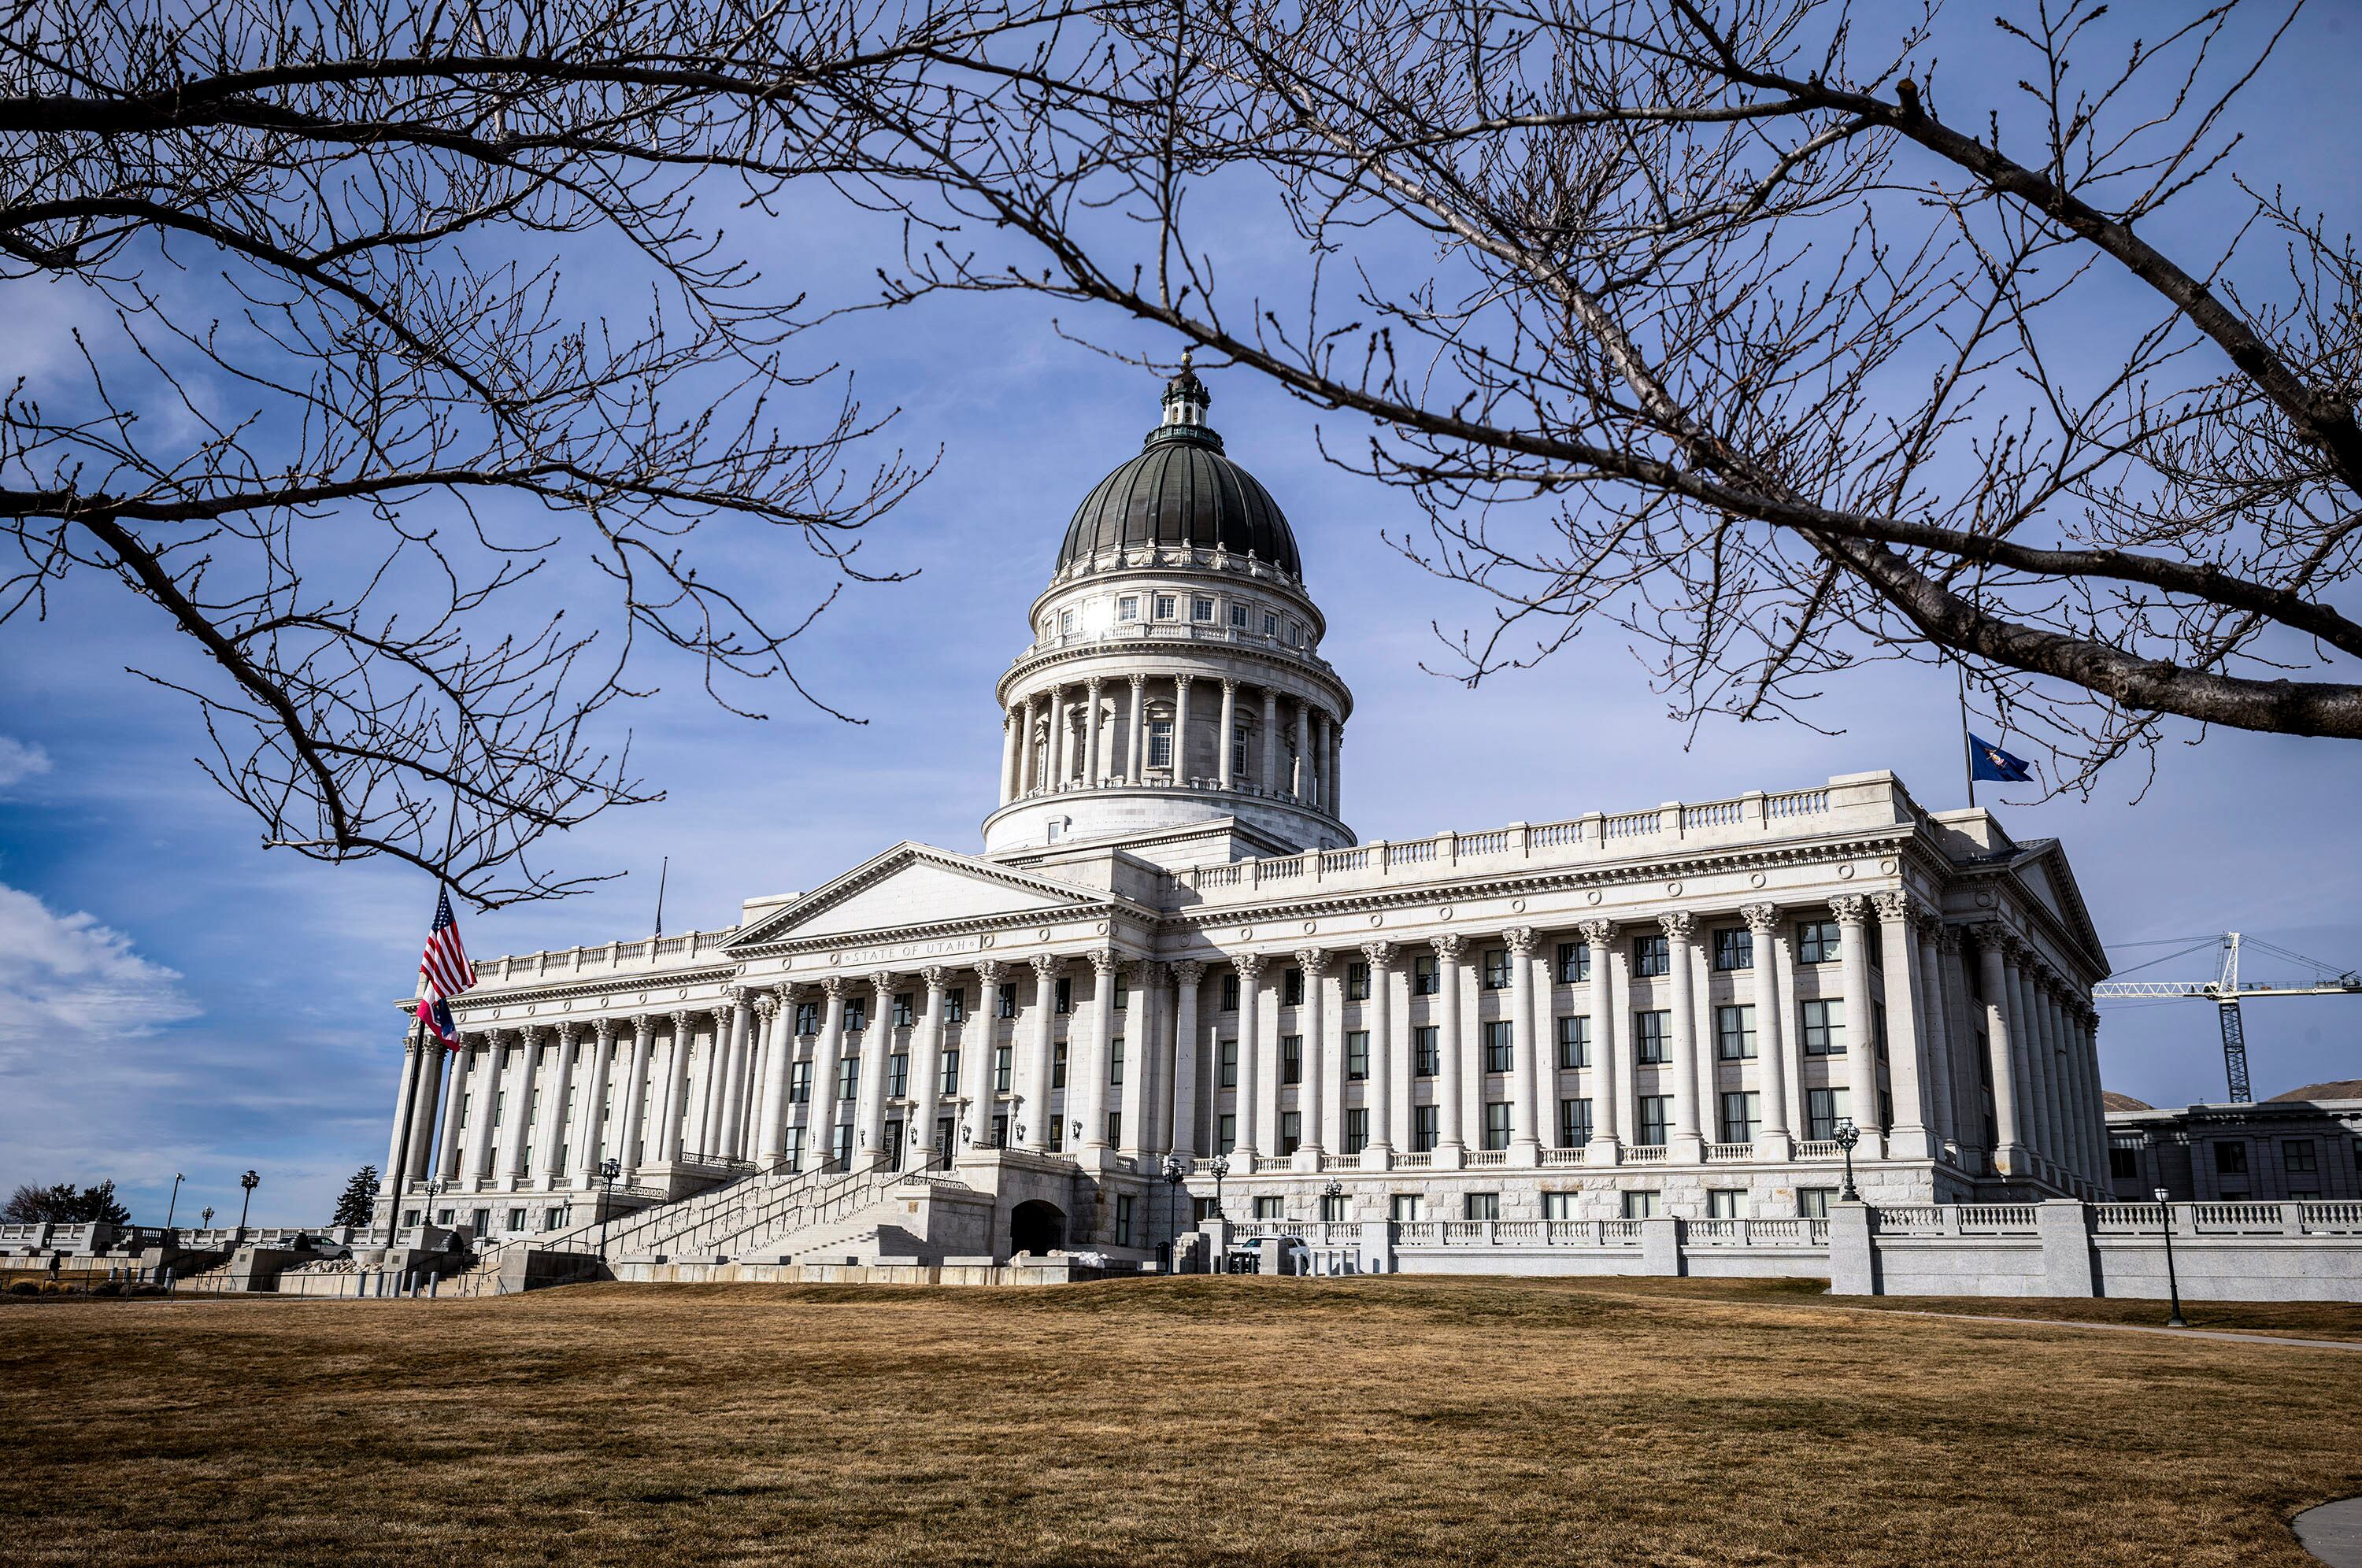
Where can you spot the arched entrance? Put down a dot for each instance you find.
(1036, 1227)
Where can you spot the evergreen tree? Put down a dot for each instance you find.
(353, 1206)
(64, 1204)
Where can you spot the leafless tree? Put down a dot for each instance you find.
(1740, 325)
(411, 337)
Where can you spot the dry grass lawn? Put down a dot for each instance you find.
(1264, 1421)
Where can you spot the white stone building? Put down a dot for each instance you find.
(1173, 947)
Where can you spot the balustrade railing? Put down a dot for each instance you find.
(1728, 1153)
(1646, 1154)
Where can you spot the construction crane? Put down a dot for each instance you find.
(2225, 991)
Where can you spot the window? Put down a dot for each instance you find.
(1201, 610)
(1403, 1207)
(1878, 1030)
(1057, 1132)
(1000, 1131)
(1230, 993)
(1164, 611)
(1824, 1109)
(1481, 1206)
(1064, 994)
(1734, 948)
(516, 1218)
(800, 1082)
(1496, 968)
(1734, 1034)
(1825, 1028)
(1123, 1220)
(1813, 1202)
(1058, 1065)
(1238, 751)
(1725, 1203)
(1652, 1037)
(1574, 1041)
(897, 1076)
(848, 1078)
(1270, 625)
(1742, 1117)
(1497, 1124)
(948, 1083)
(1357, 1055)
(1115, 1062)
(2231, 1158)
(1122, 991)
(1574, 1122)
(445, 1217)
(1559, 1205)
(1500, 1049)
(1295, 633)
(1357, 982)
(1655, 1108)
(1652, 955)
(808, 1018)
(1005, 1004)
(1127, 608)
(1226, 1134)
(1291, 1058)
(1160, 742)
(956, 1005)
(1291, 1131)
(2298, 1158)
(1115, 1129)
(905, 1006)
(1426, 1051)
(1003, 1065)
(1639, 1205)
(2124, 1163)
(1424, 1128)
(1239, 616)
(842, 1140)
(1426, 980)
(1573, 962)
(1227, 1057)
(1357, 1129)
(1816, 941)
(1066, 622)
(856, 1014)
(1291, 987)
(1270, 1209)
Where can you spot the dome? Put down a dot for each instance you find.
(2111, 1100)
(2337, 1088)
(1181, 489)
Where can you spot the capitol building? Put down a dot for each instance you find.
(1172, 974)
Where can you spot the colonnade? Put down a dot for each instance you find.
(1099, 732)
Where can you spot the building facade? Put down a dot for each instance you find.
(2304, 1146)
(1175, 974)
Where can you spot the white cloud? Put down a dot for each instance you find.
(67, 976)
(20, 760)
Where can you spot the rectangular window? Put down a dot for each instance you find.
(1227, 1056)
(1058, 1065)
(848, 1078)
(1238, 751)
(1497, 1124)
(1651, 956)
(841, 1141)
(1064, 994)
(1270, 625)
(1816, 941)
(1357, 1055)
(1005, 1003)
(2297, 1154)
(808, 1018)
(948, 1083)
(1160, 742)
(1239, 616)
(1559, 1205)
(856, 1014)
(1481, 1206)
(1652, 1034)
(897, 1076)
(1066, 622)
(1291, 987)
(1655, 1110)
(1291, 1058)
(516, 1218)
(905, 1009)
(1122, 991)
(2124, 1163)
(1164, 611)
(1825, 1028)
(1878, 1027)
(1813, 1202)
(1123, 1220)
(1573, 963)
(1824, 1109)
(1734, 948)
(2231, 1158)
(1291, 1131)
(1201, 1209)
(1000, 1131)
(1003, 1065)
(1057, 1132)
(1403, 1207)
(1725, 1203)
(800, 1082)
(1426, 1051)
(1115, 1062)
(1127, 607)
(1270, 1209)
(1426, 979)
(1201, 610)
(1226, 1134)
(956, 1005)
(1742, 1117)
(1357, 1129)
(1115, 1129)
(1230, 993)
(1500, 1046)
(1496, 968)
(1574, 1122)
(1424, 1128)
(1357, 982)
(1333, 1208)
(1641, 1205)
(1574, 1041)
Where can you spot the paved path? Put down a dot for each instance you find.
(2332, 1532)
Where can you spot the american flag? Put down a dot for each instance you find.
(445, 972)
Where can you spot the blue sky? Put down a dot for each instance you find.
(174, 999)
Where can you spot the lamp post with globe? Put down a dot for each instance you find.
(2174, 1319)
(1847, 1136)
(1174, 1170)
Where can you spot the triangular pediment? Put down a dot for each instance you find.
(911, 885)
(2045, 875)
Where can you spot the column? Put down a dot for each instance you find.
(510, 1163)
(1037, 1109)
(1681, 1054)
(1270, 739)
(1251, 1136)
(1861, 1043)
(2048, 1033)
(1028, 766)
(1607, 1080)
(2026, 1044)
(978, 1035)
(593, 1122)
(1388, 1085)
(1770, 1031)
(405, 1095)
(733, 1143)
(1300, 776)
(1337, 767)
(877, 1044)
(1313, 1101)
(1318, 765)
(828, 1049)
(1061, 742)
(1936, 1051)
(1993, 942)
(1223, 742)
(1907, 1138)
(1525, 1132)
(1009, 721)
(1136, 739)
(714, 1092)
(926, 1068)
(636, 1095)
(2095, 1126)
(1269, 1090)
(1188, 977)
(674, 1125)
(1087, 1062)
(759, 1035)
(487, 1080)
(1091, 733)
(426, 1097)
(455, 1110)
(778, 1057)
(1140, 1055)
(1966, 1077)
(1181, 729)
(1448, 1074)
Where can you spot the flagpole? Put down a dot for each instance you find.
(661, 871)
(401, 1171)
(1968, 747)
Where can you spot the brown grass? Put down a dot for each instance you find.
(1403, 1420)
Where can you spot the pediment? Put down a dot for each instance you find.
(913, 886)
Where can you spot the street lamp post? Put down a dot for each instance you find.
(1847, 1136)
(206, 1218)
(1176, 1170)
(174, 1206)
(609, 1169)
(1329, 1196)
(249, 1181)
(1221, 1167)
(2172, 1285)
